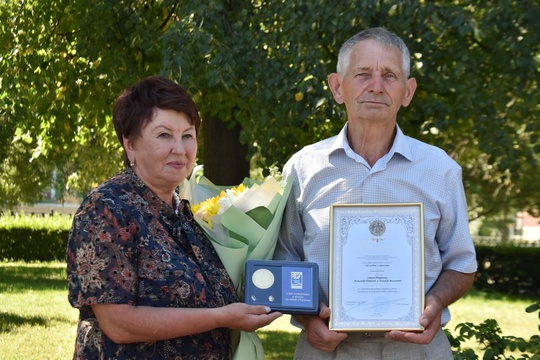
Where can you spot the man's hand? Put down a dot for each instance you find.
(318, 334)
(449, 287)
(430, 320)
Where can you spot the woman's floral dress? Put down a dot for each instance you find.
(127, 246)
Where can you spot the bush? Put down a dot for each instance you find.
(508, 269)
(495, 346)
(33, 238)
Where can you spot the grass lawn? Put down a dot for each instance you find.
(37, 322)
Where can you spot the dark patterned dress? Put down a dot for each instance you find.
(127, 246)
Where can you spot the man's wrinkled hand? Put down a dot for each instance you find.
(430, 320)
(318, 334)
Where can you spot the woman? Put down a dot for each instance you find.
(147, 282)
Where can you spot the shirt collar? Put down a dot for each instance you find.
(400, 145)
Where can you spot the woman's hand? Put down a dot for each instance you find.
(318, 334)
(245, 317)
(127, 324)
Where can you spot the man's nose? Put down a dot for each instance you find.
(376, 84)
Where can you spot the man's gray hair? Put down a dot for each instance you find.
(380, 35)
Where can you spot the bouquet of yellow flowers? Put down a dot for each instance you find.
(242, 223)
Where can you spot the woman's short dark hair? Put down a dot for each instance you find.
(137, 105)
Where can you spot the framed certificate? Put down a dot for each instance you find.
(291, 287)
(376, 272)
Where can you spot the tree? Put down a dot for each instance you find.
(258, 69)
(59, 79)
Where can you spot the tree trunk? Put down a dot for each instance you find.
(224, 157)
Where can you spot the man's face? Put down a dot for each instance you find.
(373, 86)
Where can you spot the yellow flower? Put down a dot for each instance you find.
(218, 204)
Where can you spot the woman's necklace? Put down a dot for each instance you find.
(176, 202)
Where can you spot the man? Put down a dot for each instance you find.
(372, 161)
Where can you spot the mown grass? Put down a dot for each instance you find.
(37, 322)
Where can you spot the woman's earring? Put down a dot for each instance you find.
(132, 163)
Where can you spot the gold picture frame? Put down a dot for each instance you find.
(376, 267)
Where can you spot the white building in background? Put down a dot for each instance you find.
(526, 227)
(48, 208)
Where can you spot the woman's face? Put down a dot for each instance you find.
(165, 153)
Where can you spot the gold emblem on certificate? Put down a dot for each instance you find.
(377, 228)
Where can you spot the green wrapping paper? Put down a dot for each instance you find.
(246, 230)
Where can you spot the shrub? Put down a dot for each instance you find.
(495, 346)
(33, 238)
(508, 269)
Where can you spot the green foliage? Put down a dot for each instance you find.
(63, 64)
(32, 238)
(56, 221)
(508, 269)
(263, 65)
(492, 343)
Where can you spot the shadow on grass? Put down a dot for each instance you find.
(10, 321)
(278, 345)
(22, 278)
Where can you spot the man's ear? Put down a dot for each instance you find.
(334, 82)
(411, 88)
